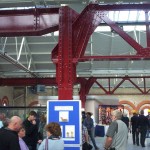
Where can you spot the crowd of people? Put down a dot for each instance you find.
(33, 134)
(29, 134)
(140, 126)
(117, 133)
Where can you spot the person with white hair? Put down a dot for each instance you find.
(8, 136)
(117, 133)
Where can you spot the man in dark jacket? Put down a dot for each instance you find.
(134, 125)
(31, 128)
(125, 119)
(8, 136)
(89, 124)
(142, 127)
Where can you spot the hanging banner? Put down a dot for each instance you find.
(68, 114)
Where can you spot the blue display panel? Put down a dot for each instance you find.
(68, 114)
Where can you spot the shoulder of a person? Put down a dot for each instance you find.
(115, 122)
(25, 121)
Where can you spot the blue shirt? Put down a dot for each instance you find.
(52, 144)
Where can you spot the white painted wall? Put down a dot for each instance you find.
(92, 106)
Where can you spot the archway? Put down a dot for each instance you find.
(128, 103)
(139, 106)
(34, 103)
(5, 101)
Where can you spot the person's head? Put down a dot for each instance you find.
(32, 115)
(43, 118)
(54, 129)
(116, 115)
(2, 116)
(149, 112)
(88, 114)
(142, 112)
(15, 123)
(21, 132)
(6, 122)
(134, 112)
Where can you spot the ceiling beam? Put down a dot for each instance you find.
(113, 58)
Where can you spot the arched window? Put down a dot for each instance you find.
(5, 101)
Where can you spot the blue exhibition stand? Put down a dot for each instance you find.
(68, 114)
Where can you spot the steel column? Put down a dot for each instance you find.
(65, 68)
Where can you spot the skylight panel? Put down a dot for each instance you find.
(102, 28)
(123, 16)
(111, 15)
(141, 16)
(133, 16)
(116, 15)
(132, 28)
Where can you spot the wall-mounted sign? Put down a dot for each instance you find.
(68, 114)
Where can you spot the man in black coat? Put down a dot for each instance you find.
(31, 128)
(9, 139)
(125, 119)
(142, 127)
(148, 131)
(134, 126)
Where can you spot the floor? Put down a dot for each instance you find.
(100, 143)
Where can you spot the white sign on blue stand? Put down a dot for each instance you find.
(68, 114)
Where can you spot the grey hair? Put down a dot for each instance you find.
(14, 119)
(6, 122)
(117, 114)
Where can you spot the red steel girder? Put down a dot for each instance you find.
(101, 87)
(83, 27)
(74, 15)
(123, 34)
(111, 90)
(65, 69)
(82, 92)
(91, 17)
(113, 58)
(29, 22)
(89, 84)
(27, 81)
(121, 7)
(18, 24)
(80, 80)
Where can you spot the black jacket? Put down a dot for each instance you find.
(31, 136)
(9, 140)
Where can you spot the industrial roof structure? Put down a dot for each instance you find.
(110, 42)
